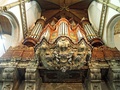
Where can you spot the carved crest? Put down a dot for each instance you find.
(63, 54)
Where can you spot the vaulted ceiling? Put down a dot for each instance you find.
(76, 9)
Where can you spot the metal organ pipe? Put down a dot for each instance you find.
(87, 32)
(39, 31)
(32, 39)
(90, 33)
(60, 30)
(63, 29)
(34, 31)
(66, 29)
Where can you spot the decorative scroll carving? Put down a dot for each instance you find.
(94, 81)
(8, 74)
(9, 77)
(32, 78)
(30, 75)
(114, 78)
(7, 86)
(29, 86)
(63, 54)
(95, 74)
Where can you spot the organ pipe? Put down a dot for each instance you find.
(63, 29)
(34, 36)
(90, 33)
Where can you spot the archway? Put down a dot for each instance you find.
(9, 33)
(117, 35)
(110, 31)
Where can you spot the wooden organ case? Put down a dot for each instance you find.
(60, 52)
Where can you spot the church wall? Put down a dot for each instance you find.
(108, 35)
(95, 15)
(7, 39)
(33, 12)
(5, 43)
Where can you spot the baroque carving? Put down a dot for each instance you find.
(30, 86)
(7, 86)
(114, 78)
(30, 74)
(94, 79)
(32, 79)
(9, 75)
(63, 54)
(95, 74)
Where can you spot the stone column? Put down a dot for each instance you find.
(34, 36)
(90, 33)
(94, 79)
(33, 80)
(9, 78)
(113, 78)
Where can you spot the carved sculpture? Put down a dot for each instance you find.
(63, 54)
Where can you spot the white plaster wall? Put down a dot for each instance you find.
(5, 43)
(110, 14)
(1, 46)
(94, 14)
(16, 11)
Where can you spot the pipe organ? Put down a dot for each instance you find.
(90, 33)
(61, 51)
(63, 28)
(34, 36)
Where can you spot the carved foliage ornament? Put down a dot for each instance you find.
(63, 54)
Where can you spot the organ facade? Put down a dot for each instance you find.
(60, 49)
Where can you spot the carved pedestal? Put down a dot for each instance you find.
(114, 78)
(94, 79)
(9, 77)
(114, 74)
(32, 79)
